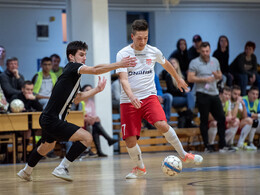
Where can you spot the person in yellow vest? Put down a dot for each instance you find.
(56, 69)
(44, 82)
(239, 109)
(253, 111)
(232, 122)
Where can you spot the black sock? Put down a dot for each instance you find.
(34, 158)
(75, 150)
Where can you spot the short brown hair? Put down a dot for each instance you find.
(139, 25)
(227, 88)
(11, 59)
(253, 88)
(204, 44)
(236, 87)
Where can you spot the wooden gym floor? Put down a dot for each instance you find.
(229, 173)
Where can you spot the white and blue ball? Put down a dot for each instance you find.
(171, 165)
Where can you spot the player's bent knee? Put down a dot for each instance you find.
(130, 141)
(162, 126)
(44, 148)
(249, 121)
(81, 135)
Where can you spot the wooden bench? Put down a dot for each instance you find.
(154, 141)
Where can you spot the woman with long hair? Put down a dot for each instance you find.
(180, 99)
(181, 54)
(222, 54)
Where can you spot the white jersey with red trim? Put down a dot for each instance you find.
(140, 77)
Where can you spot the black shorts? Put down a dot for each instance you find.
(54, 129)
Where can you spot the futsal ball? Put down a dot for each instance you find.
(17, 105)
(171, 165)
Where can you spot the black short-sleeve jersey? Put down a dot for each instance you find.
(64, 91)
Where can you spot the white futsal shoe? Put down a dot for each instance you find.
(194, 158)
(23, 175)
(62, 173)
(136, 173)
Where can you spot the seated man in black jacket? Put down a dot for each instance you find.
(11, 80)
(31, 104)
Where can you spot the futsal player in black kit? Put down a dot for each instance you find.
(52, 120)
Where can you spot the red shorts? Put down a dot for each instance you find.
(131, 118)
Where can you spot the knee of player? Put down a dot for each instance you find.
(249, 121)
(88, 138)
(131, 141)
(237, 121)
(214, 124)
(43, 149)
(162, 126)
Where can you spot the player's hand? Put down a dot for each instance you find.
(210, 79)
(135, 102)
(181, 84)
(240, 99)
(16, 73)
(101, 83)
(228, 118)
(30, 96)
(127, 62)
(252, 79)
(254, 116)
(215, 74)
(160, 99)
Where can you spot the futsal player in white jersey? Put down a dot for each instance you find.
(139, 100)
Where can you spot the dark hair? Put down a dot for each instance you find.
(204, 44)
(219, 47)
(250, 44)
(139, 25)
(2, 47)
(55, 56)
(11, 59)
(253, 88)
(196, 38)
(178, 44)
(227, 88)
(27, 83)
(236, 87)
(74, 46)
(45, 59)
(85, 86)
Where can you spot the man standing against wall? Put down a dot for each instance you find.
(205, 72)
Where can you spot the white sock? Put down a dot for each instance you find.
(212, 132)
(173, 139)
(230, 134)
(244, 132)
(64, 163)
(136, 155)
(251, 135)
(28, 169)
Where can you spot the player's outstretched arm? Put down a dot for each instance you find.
(103, 68)
(180, 82)
(86, 94)
(126, 87)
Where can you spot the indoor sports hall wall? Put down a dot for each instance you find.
(239, 23)
(18, 36)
